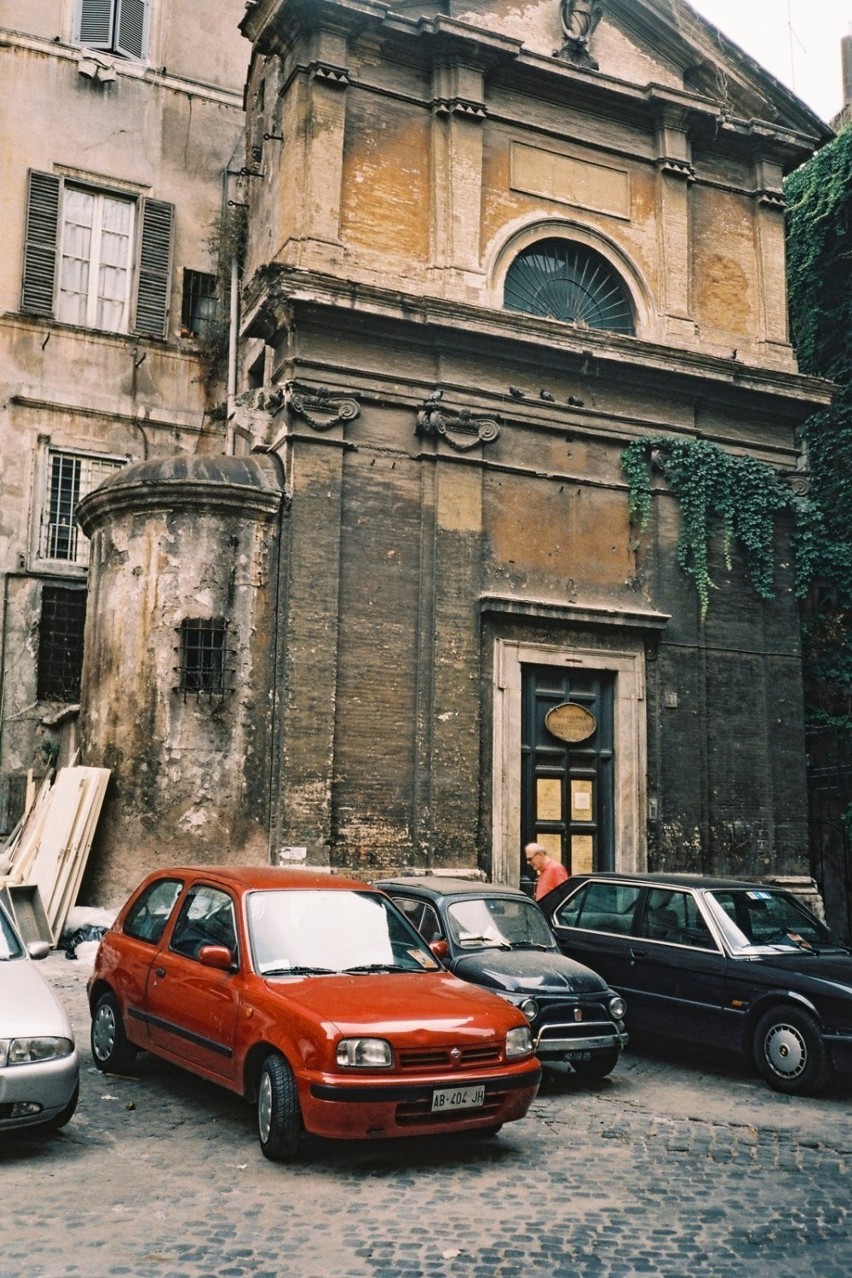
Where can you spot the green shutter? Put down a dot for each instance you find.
(155, 262)
(39, 283)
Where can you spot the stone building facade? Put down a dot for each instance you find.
(489, 246)
(120, 123)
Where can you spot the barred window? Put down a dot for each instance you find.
(60, 643)
(198, 306)
(69, 477)
(202, 655)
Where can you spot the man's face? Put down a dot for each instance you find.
(535, 860)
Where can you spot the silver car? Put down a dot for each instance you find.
(39, 1065)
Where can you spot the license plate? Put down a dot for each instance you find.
(457, 1098)
(579, 1056)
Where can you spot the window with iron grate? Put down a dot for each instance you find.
(203, 650)
(69, 476)
(60, 643)
(562, 280)
(198, 305)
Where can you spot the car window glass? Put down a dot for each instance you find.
(206, 918)
(675, 917)
(498, 920)
(10, 946)
(606, 907)
(756, 916)
(422, 915)
(331, 931)
(147, 917)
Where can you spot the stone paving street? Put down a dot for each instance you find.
(678, 1169)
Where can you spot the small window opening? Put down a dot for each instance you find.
(202, 656)
(199, 304)
(60, 646)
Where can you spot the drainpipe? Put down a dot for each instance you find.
(232, 354)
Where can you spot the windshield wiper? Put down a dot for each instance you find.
(377, 967)
(530, 945)
(299, 970)
(470, 938)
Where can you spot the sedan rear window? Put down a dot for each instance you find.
(149, 914)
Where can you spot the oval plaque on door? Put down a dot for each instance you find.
(570, 722)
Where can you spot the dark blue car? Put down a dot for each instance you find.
(722, 962)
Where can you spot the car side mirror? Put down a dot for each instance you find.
(38, 949)
(218, 956)
(440, 949)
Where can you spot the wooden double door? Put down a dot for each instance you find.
(567, 784)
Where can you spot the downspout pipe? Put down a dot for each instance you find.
(233, 328)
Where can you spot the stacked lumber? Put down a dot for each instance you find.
(44, 859)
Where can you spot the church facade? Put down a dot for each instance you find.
(407, 623)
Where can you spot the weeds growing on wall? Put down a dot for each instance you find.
(819, 222)
(720, 495)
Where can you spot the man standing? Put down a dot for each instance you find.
(549, 873)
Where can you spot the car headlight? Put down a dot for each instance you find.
(364, 1053)
(518, 1042)
(529, 1007)
(28, 1051)
(617, 1008)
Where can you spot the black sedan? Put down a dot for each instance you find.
(720, 962)
(497, 937)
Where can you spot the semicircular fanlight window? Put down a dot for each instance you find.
(566, 281)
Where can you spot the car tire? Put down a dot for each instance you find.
(112, 1051)
(789, 1051)
(598, 1068)
(279, 1118)
(59, 1120)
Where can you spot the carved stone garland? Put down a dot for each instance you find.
(461, 429)
(321, 409)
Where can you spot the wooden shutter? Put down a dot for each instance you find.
(96, 18)
(39, 283)
(131, 28)
(153, 284)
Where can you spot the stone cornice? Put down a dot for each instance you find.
(571, 613)
(276, 293)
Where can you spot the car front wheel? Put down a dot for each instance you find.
(279, 1119)
(111, 1048)
(789, 1051)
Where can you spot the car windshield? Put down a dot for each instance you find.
(10, 946)
(508, 922)
(760, 918)
(297, 933)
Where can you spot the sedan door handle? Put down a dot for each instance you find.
(637, 954)
(160, 971)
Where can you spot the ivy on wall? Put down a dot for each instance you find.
(719, 495)
(819, 253)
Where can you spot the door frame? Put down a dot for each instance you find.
(627, 665)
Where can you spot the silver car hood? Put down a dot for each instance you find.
(28, 1005)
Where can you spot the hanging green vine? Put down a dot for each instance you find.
(736, 498)
(819, 251)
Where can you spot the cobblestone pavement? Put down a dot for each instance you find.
(684, 1169)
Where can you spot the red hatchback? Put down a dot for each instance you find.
(315, 999)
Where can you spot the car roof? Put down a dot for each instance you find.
(261, 877)
(658, 879)
(434, 885)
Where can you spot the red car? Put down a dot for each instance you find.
(315, 999)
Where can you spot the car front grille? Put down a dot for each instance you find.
(426, 1060)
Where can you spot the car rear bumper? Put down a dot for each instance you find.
(48, 1084)
(360, 1109)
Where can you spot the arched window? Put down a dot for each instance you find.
(567, 281)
